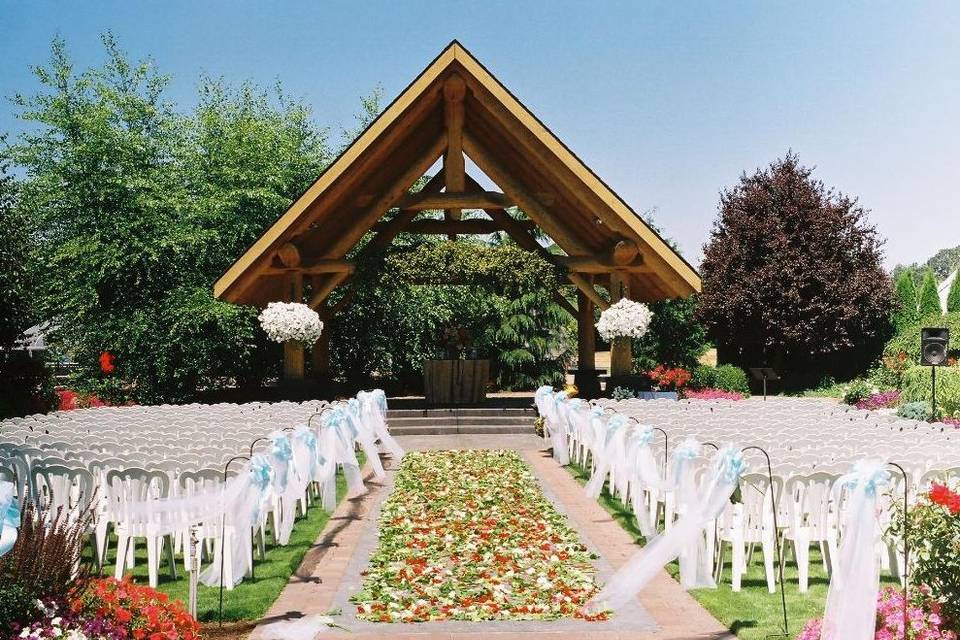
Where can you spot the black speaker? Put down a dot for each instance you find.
(933, 345)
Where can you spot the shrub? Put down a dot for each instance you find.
(137, 607)
(669, 378)
(915, 411)
(42, 564)
(857, 391)
(622, 393)
(908, 340)
(918, 388)
(934, 538)
(728, 377)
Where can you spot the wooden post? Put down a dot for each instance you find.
(586, 343)
(293, 351)
(586, 377)
(621, 349)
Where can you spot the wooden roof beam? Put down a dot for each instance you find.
(514, 190)
(389, 197)
(449, 201)
(318, 266)
(323, 286)
(473, 226)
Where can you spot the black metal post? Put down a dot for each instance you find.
(906, 547)
(776, 542)
(666, 451)
(933, 392)
(223, 532)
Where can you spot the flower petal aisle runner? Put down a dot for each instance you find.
(469, 535)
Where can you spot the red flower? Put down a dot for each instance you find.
(942, 495)
(106, 362)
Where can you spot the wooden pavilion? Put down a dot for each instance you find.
(455, 109)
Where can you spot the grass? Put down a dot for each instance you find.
(752, 613)
(251, 599)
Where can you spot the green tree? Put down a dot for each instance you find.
(26, 385)
(532, 342)
(953, 297)
(15, 243)
(929, 301)
(906, 312)
(675, 338)
(140, 208)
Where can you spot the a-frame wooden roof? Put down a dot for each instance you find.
(456, 107)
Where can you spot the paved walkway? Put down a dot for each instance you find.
(330, 569)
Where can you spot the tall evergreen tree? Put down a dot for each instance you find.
(906, 312)
(953, 298)
(929, 304)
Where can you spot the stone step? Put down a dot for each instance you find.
(453, 429)
(448, 413)
(460, 420)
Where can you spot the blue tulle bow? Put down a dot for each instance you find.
(9, 517)
(281, 448)
(730, 463)
(869, 473)
(643, 435)
(596, 411)
(687, 450)
(575, 403)
(543, 392)
(339, 421)
(260, 471)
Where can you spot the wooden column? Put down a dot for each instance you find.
(293, 351)
(586, 342)
(621, 349)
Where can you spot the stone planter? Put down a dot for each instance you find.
(453, 382)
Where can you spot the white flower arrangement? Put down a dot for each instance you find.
(625, 319)
(286, 321)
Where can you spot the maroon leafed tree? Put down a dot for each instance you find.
(792, 277)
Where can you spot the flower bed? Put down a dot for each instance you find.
(711, 394)
(882, 400)
(469, 535)
(925, 623)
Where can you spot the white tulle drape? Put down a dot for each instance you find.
(683, 538)
(9, 517)
(851, 609)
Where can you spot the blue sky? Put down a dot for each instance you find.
(668, 102)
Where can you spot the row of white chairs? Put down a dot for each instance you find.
(810, 444)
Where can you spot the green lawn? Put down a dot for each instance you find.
(752, 613)
(251, 599)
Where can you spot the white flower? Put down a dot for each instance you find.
(286, 321)
(626, 318)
